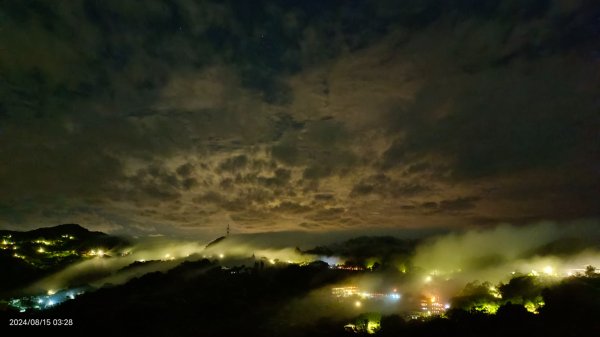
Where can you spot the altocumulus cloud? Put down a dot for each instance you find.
(182, 116)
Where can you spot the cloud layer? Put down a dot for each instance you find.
(183, 116)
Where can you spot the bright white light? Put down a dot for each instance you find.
(221, 256)
(40, 250)
(100, 252)
(447, 306)
(357, 304)
(50, 303)
(272, 261)
(428, 279)
(548, 270)
(51, 292)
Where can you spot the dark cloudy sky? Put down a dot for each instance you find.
(183, 116)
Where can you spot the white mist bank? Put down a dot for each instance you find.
(489, 254)
(98, 271)
(441, 264)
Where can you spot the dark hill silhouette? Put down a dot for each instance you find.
(66, 245)
(387, 250)
(367, 246)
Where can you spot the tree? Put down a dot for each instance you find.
(590, 271)
(520, 289)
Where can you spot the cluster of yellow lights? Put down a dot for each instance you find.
(344, 291)
(98, 252)
(534, 307)
(430, 306)
(547, 270)
(6, 244)
(494, 292)
(44, 242)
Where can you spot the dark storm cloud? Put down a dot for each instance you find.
(502, 120)
(302, 114)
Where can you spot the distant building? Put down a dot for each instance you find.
(430, 306)
(344, 291)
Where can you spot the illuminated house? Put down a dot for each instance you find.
(344, 291)
(430, 306)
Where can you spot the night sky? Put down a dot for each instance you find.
(183, 116)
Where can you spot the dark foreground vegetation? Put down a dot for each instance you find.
(203, 299)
